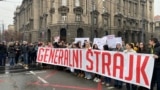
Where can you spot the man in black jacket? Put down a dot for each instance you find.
(3, 53)
(155, 49)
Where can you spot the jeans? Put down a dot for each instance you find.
(88, 75)
(2, 59)
(107, 80)
(12, 61)
(25, 58)
(131, 86)
(118, 83)
(155, 78)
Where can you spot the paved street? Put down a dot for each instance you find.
(47, 80)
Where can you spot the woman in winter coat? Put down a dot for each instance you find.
(11, 54)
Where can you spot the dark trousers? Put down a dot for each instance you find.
(142, 88)
(2, 59)
(156, 78)
(17, 58)
(131, 86)
(30, 58)
(118, 83)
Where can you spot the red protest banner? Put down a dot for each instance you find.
(132, 68)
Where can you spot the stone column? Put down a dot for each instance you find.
(35, 20)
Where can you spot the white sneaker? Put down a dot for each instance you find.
(98, 80)
(85, 77)
(103, 83)
(107, 84)
(95, 79)
(89, 78)
(26, 67)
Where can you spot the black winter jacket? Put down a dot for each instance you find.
(156, 50)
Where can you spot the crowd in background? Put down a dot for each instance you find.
(25, 54)
(16, 53)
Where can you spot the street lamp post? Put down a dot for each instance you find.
(110, 17)
(143, 23)
(92, 20)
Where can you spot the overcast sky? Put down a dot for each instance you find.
(7, 8)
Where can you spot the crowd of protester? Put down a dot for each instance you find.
(16, 53)
(25, 54)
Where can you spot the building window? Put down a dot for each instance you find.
(94, 7)
(131, 24)
(80, 32)
(103, 9)
(52, 4)
(105, 21)
(150, 9)
(41, 21)
(106, 32)
(119, 1)
(95, 33)
(77, 3)
(129, 8)
(124, 23)
(143, 10)
(64, 17)
(31, 24)
(64, 2)
(151, 27)
(118, 6)
(104, 6)
(124, 7)
(95, 20)
(136, 26)
(119, 22)
(78, 18)
(135, 9)
(150, 5)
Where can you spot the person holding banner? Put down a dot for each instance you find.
(107, 80)
(155, 49)
(117, 83)
(129, 49)
(142, 49)
(87, 74)
(80, 73)
(97, 77)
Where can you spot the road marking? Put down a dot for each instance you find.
(41, 79)
(44, 81)
(63, 86)
(6, 72)
(37, 72)
(2, 76)
(32, 72)
(1, 81)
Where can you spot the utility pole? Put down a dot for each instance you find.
(92, 21)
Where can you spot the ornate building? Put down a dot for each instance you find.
(45, 19)
(157, 26)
